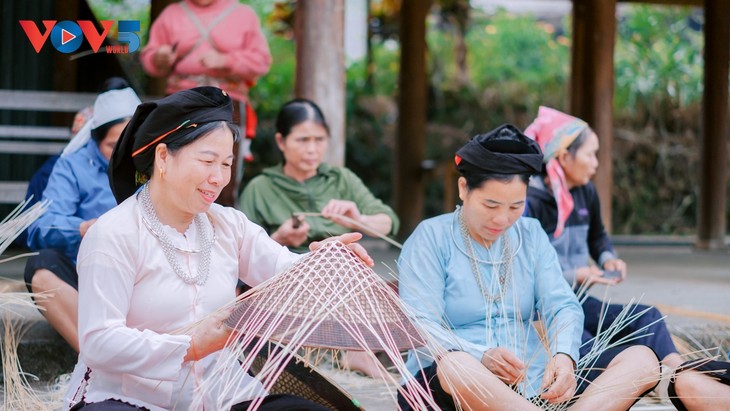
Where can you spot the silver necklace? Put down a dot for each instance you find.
(504, 267)
(153, 224)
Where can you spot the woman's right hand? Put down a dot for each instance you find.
(209, 336)
(593, 275)
(164, 58)
(504, 364)
(290, 236)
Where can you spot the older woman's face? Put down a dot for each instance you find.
(580, 167)
(106, 146)
(304, 149)
(490, 209)
(195, 175)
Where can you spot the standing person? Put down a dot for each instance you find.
(167, 258)
(212, 43)
(477, 277)
(78, 191)
(566, 203)
(303, 183)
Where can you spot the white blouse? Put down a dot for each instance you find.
(131, 304)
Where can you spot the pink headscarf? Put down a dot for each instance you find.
(554, 131)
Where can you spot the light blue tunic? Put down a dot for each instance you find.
(79, 190)
(436, 279)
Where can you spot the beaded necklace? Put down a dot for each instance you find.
(503, 267)
(153, 224)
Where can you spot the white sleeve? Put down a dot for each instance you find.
(260, 257)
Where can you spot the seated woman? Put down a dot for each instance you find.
(78, 190)
(483, 273)
(701, 385)
(303, 183)
(168, 258)
(565, 202)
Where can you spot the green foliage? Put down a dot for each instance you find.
(276, 87)
(517, 49)
(658, 68)
(658, 57)
(123, 10)
(504, 85)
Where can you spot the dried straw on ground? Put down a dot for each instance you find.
(17, 391)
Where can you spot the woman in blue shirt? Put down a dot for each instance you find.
(477, 278)
(78, 190)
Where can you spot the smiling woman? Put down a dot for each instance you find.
(168, 259)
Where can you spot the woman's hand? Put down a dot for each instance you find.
(212, 59)
(349, 240)
(559, 379)
(616, 264)
(290, 236)
(85, 225)
(336, 208)
(593, 275)
(209, 336)
(164, 58)
(504, 364)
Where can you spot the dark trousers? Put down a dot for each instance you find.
(279, 402)
(656, 336)
(54, 261)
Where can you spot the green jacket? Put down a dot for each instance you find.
(271, 197)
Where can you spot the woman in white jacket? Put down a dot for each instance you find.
(166, 258)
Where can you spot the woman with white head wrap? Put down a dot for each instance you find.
(78, 190)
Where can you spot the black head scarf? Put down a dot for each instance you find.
(504, 150)
(163, 121)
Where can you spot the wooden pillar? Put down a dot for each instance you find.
(591, 85)
(410, 141)
(320, 74)
(711, 210)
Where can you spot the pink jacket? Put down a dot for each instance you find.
(238, 36)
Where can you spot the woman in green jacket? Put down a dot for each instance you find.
(302, 183)
(333, 199)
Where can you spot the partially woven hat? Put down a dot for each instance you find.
(328, 299)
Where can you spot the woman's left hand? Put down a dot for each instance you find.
(618, 265)
(559, 379)
(349, 240)
(212, 59)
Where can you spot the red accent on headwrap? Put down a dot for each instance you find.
(146, 146)
(457, 160)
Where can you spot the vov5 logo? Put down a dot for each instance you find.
(67, 36)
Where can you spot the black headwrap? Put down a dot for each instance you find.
(504, 150)
(163, 121)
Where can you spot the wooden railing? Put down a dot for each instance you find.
(35, 139)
